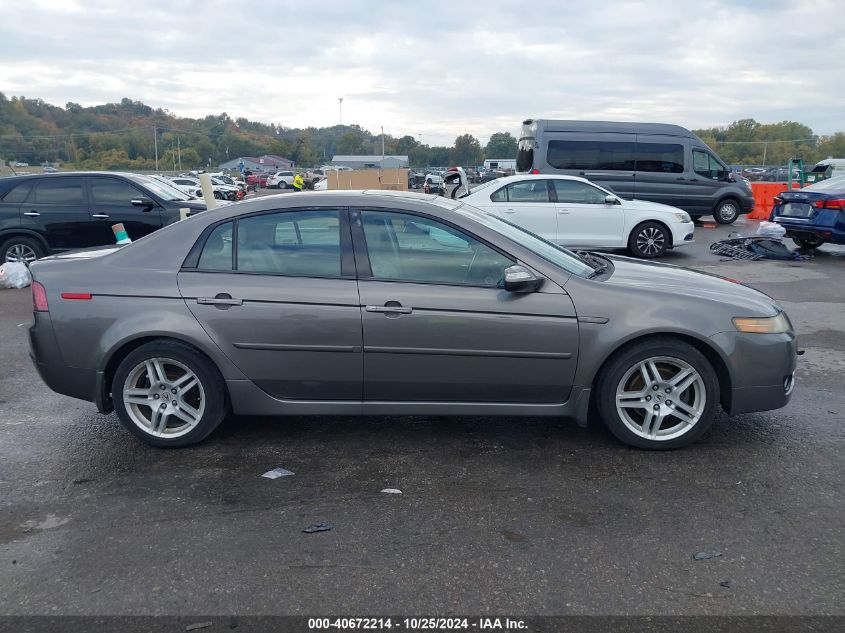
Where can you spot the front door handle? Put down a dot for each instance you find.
(563, 212)
(100, 216)
(395, 308)
(32, 214)
(509, 211)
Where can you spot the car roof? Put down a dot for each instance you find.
(515, 177)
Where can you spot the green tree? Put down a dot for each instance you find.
(501, 145)
(351, 143)
(467, 151)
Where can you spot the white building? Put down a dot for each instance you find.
(500, 163)
(370, 162)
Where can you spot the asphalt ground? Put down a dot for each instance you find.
(496, 516)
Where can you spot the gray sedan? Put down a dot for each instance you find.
(397, 303)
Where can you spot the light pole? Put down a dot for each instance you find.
(340, 110)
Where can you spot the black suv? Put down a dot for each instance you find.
(51, 213)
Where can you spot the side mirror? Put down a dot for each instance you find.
(520, 279)
(142, 202)
(608, 199)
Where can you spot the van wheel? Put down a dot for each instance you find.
(727, 212)
(168, 394)
(658, 394)
(21, 249)
(649, 240)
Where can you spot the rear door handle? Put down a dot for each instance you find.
(563, 212)
(219, 301)
(32, 214)
(509, 211)
(389, 309)
(100, 216)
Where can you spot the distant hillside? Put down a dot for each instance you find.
(121, 136)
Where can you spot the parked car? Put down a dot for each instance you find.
(228, 180)
(50, 170)
(642, 161)
(572, 211)
(434, 184)
(280, 180)
(443, 309)
(221, 190)
(754, 174)
(780, 174)
(52, 213)
(813, 215)
(257, 180)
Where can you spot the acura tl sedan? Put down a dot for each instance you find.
(395, 303)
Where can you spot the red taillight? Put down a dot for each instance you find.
(39, 298)
(79, 296)
(839, 205)
(535, 171)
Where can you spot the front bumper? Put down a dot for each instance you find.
(682, 233)
(762, 370)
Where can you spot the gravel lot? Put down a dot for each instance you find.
(507, 516)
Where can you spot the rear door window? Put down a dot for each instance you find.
(18, 194)
(591, 155)
(528, 191)
(660, 157)
(59, 191)
(298, 243)
(217, 252)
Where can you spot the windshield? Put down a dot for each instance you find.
(833, 184)
(162, 188)
(553, 253)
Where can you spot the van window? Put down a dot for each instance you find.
(525, 155)
(707, 165)
(591, 155)
(53, 190)
(660, 157)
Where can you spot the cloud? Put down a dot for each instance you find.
(438, 69)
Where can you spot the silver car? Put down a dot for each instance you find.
(344, 302)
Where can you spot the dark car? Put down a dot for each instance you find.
(52, 213)
(813, 215)
(350, 303)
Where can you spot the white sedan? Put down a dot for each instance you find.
(575, 212)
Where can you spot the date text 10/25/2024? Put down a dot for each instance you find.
(422, 623)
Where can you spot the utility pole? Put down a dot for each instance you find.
(179, 151)
(382, 147)
(340, 110)
(155, 142)
(765, 148)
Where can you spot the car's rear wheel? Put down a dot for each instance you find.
(283, 184)
(21, 249)
(659, 394)
(168, 394)
(727, 212)
(807, 241)
(649, 240)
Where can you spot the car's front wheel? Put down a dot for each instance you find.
(283, 184)
(807, 241)
(649, 240)
(659, 394)
(727, 212)
(168, 394)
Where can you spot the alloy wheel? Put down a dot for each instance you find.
(650, 241)
(163, 397)
(661, 398)
(728, 212)
(21, 253)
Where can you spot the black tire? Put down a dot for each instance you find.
(649, 240)
(615, 370)
(21, 244)
(808, 242)
(208, 376)
(726, 212)
(218, 195)
(283, 184)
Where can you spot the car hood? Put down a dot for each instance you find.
(644, 205)
(682, 282)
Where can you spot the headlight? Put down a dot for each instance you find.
(765, 325)
(683, 216)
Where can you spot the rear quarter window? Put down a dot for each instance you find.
(18, 193)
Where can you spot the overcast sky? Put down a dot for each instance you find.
(438, 69)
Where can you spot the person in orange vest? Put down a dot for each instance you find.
(298, 183)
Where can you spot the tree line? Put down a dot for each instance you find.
(125, 135)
